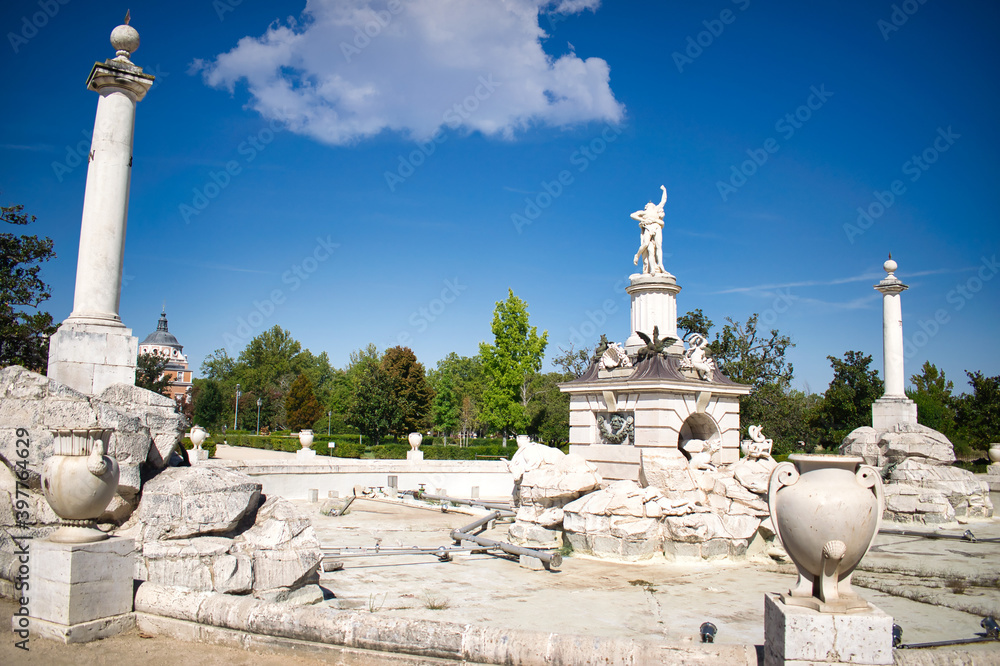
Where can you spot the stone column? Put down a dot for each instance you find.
(92, 348)
(654, 303)
(893, 407)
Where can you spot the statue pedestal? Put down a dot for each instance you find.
(81, 592)
(305, 454)
(887, 411)
(797, 635)
(91, 357)
(654, 303)
(197, 455)
(414, 455)
(993, 477)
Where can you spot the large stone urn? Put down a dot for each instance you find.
(826, 510)
(79, 480)
(994, 453)
(306, 438)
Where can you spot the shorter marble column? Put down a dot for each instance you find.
(654, 304)
(81, 592)
(794, 635)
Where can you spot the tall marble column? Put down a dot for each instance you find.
(893, 407)
(92, 348)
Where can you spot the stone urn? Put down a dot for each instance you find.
(306, 438)
(523, 440)
(994, 453)
(826, 510)
(415, 438)
(79, 480)
(198, 436)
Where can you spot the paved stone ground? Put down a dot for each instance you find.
(656, 599)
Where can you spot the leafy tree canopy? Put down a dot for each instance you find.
(509, 365)
(24, 331)
(149, 372)
(301, 405)
(847, 403)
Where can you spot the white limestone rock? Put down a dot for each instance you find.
(201, 563)
(695, 527)
(962, 490)
(282, 545)
(755, 474)
(915, 441)
(665, 469)
(183, 502)
(532, 456)
(863, 442)
(156, 413)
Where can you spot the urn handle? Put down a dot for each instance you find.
(784, 474)
(869, 477)
(96, 464)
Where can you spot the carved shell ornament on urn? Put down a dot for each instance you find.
(414, 438)
(79, 480)
(306, 438)
(827, 510)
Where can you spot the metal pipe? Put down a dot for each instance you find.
(461, 534)
(957, 641)
(500, 506)
(968, 536)
(342, 509)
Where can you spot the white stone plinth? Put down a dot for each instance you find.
(79, 589)
(92, 357)
(305, 454)
(654, 304)
(197, 455)
(800, 636)
(993, 477)
(887, 411)
(414, 455)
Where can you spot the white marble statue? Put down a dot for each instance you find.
(615, 357)
(758, 447)
(697, 359)
(650, 220)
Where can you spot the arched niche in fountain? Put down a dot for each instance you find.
(699, 426)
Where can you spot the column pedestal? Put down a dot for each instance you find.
(794, 635)
(91, 357)
(887, 411)
(80, 592)
(654, 304)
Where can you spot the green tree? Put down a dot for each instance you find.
(209, 404)
(24, 331)
(979, 412)
(149, 372)
(301, 405)
(572, 362)
(847, 403)
(413, 395)
(694, 321)
(549, 413)
(446, 409)
(749, 356)
(936, 406)
(269, 360)
(457, 383)
(373, 409)
(509, 365)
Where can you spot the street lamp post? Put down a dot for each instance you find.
(236, 414)
(259, 402)
(329, 419)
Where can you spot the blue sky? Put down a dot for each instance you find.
(460, 148)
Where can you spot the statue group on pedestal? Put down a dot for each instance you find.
(650, 220)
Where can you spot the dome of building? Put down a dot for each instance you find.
(161, 336)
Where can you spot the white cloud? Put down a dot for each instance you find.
(349, 69)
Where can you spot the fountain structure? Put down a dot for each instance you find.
(654, 464)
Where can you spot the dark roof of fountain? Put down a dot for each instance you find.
(665, 368)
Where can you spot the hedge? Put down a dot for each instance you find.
(208, 445)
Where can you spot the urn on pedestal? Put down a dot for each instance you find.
(826, 510)
(415, 438)
(306, 438)
(79, 481)
(198, 437)
(994, 453)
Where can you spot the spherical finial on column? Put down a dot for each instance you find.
(890, 266)
(125, 39)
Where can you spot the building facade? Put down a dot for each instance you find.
(163, 343)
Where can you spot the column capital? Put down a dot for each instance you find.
(891, 285)
(115, 73)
